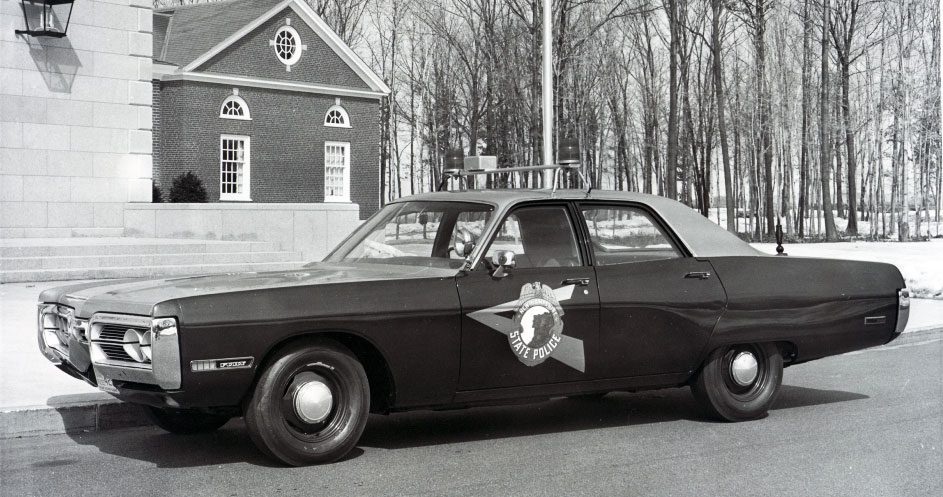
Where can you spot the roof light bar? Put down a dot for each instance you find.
(557, 169)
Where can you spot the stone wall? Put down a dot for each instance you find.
(312, 229)
(75, 120)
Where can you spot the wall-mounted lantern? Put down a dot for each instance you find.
(46, 17)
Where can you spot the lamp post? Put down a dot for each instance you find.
(45, 17)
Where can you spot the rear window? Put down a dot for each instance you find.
(624, 234)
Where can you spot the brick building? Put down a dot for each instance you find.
(264, 103)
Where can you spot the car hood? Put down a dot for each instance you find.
(140, 296)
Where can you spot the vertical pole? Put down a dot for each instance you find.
(547, 91)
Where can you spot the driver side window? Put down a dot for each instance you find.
(539, 236)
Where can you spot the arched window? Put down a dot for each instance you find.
(234, 107)
(337, 117)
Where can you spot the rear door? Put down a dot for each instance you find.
(538, 324)
(658, 305)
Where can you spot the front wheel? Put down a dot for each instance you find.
(310, 405)
(740, 382)
(185, 421)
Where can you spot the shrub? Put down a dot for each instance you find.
(156, 195)
(188, 187)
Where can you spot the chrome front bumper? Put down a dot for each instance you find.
(102, 342)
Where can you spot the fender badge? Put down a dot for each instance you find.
(536, 331)
(217, 364)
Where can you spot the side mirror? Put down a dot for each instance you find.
(502, 259)
(464, 242)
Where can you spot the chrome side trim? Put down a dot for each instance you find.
(203, 365)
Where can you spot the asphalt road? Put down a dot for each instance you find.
(868, 423)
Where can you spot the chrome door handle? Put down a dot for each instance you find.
(698, 275)
(576, 281)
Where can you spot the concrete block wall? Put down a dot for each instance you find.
(312, 230)
(75, 120)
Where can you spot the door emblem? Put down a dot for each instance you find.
(536, 331)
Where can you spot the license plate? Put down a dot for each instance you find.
(105, 384)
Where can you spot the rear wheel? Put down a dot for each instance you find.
(310, 405)
(185, 421)
(740, 382)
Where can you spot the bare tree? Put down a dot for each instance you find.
(831, 232)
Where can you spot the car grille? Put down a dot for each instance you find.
(111, 340)
(107, 334)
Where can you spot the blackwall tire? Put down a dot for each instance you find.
(185, 421)
(723, 390)
(310, 405)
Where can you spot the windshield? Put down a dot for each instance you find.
(416, 233)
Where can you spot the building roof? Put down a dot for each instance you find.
(188, 36)
(181, 34)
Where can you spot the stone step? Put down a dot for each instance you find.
(60, 232)
(89, 273)
(161, 259)
(64, 247)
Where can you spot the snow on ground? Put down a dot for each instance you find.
(921, 263)
(929, 228)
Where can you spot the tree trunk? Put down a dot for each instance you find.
(831, 233)
(716, 5)
(671, 167)
(852, 229)
(806, 90)
(765, 132)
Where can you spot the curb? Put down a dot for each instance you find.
(110, 413)
(86, 416)
(916, 336)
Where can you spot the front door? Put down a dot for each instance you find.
(538, 323)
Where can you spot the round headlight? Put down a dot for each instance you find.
(146, 344)
(132, 345)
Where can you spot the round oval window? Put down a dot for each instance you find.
(287, 45)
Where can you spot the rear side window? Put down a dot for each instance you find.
(623, 234)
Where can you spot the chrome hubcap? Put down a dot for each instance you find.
(313, 402)
(743, 368)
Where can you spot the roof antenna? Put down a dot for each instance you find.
(779, 238)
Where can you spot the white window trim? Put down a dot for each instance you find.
(299, 46)
(343, 112)
(246, 169)
(241, 101)
(346, 196)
